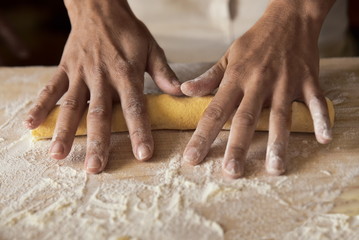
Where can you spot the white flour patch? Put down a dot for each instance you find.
(46, 199)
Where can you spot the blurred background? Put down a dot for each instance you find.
(35, 32)
(32, 32)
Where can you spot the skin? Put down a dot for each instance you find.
(273, 64)
(104, 60)
(109, 49)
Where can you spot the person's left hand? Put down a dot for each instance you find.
(273, 64)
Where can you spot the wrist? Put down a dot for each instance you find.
(315, 10)
(78, 9)
(306, 15)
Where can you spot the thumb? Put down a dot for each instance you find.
(205, 83)
(161, 73)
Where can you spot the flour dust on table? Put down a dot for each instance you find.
(164, 198)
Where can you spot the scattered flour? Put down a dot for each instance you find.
(45, 199)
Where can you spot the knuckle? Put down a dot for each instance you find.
(217, 70)
(246, 118)
(309, 72)
(48, 90)
(264, 70)
(235, 72)
(280, 113)
(126, 68)
(200, 139)
(99, 112)
(63, 68)
(39, 107)
(237, 151)
(70, 104)
(141, 134)
(214, 112)
(160, 50)
(134, 108)
(97, 145)
(163, 68)
(98, 71)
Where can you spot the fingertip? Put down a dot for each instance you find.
(192, 88)
(186, 89)
(29, 123)
(144, 152)
(58, 151)
(321, 122)
(323, 133)
(93, 171)
(93, 165)
(231, 177)
(32, 121)
(275, 159)
(275, 171)
(57, 156)
(191, 156)
(233, 169)
(323, 139)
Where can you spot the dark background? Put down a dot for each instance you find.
(34, 32)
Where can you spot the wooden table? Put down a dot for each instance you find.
(318, 198)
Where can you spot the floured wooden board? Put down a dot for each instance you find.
(165, 199)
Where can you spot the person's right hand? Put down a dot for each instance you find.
(104, 60)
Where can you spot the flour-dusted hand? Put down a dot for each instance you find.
(104, 60)
(273, 64)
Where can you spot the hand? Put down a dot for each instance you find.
(273, 64)
(104, 60)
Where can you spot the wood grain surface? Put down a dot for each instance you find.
(310, 165)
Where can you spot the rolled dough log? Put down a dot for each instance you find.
(182, 113)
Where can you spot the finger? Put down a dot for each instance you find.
(210, 124)
(71, 111)
(319, 111)
(205, 83)
(279, 130)
(161, 73)
(98, 129)
(47, 99)
(241, 133)
(135, 114)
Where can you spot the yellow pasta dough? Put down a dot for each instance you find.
(182, 113)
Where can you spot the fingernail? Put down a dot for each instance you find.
(233, 167)
(191, 155)
(327, 133)
(143, 152)
(94, 163)
(275, 165)
(57, 149)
